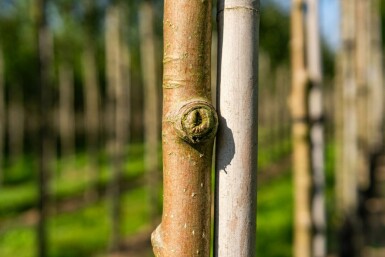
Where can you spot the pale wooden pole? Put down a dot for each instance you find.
(347, 175)
(188, 128)
(376, 105)
(300, 134)
(348, 186)
(236, 149)
(316, 129)
(363, 91)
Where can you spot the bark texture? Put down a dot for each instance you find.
(300, 130)
(236, 149)
(188, 129)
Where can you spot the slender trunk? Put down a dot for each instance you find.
(316, 130)
(91, 94)
(151, 113)
(236, 160)
(45, 140)
(2, 115)
(117, 108)
(189, 126)
(66, 110)
(300, 130)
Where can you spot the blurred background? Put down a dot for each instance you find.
(80, 152)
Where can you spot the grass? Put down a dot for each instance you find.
(70, 179)
(274, 218)
(82, 233)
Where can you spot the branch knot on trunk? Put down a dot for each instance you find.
(196, 122)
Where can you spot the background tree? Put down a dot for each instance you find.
(118, 88)
(151, 104)
(91, 94)
(2, 113)
(45, 140)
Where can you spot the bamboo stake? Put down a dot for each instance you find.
(300, 133)
(236, 160)
(188, 129)
(316, 130)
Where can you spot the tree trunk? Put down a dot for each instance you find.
(2, 116)
(300, 130)
(316, 130)
(66, 110)
(152, 120)
(92, 102)
(45, 140)
(117, 92)
(189, 126)
(236, 160)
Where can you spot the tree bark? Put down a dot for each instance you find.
(316, 129)
(300, 134)
(151, 105)
(188, 129)
(236, 149)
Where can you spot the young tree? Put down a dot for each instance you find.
(91, 96)
(117, 91)
(2, 113)
(300, 134)
(236, 149)
(151, 113)
(316, 129)
(188, 130)
(45, 140)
